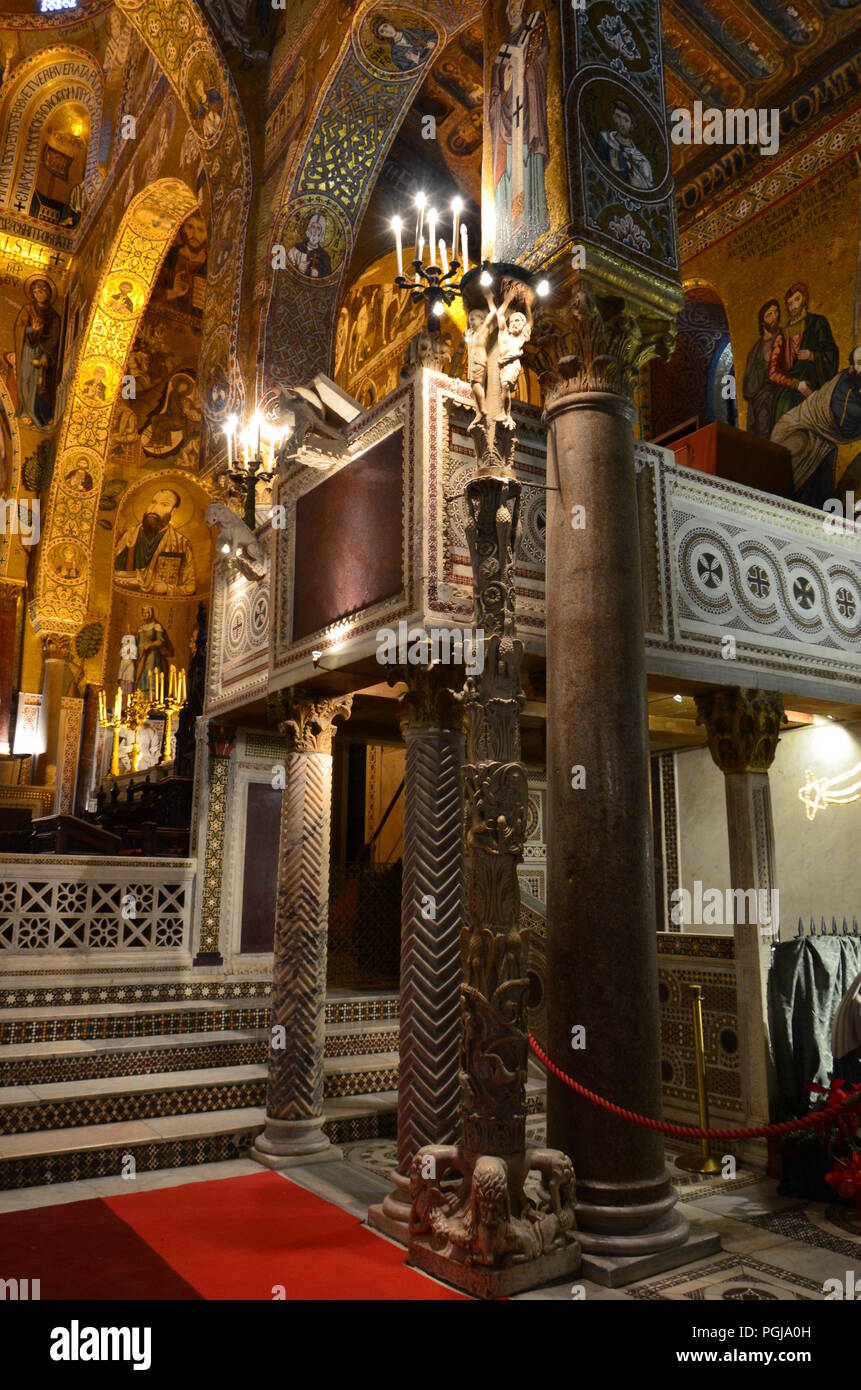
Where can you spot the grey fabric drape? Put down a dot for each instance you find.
(808, 979)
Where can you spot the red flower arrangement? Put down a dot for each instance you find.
(837, 1125)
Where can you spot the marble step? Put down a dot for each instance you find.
(35, 1064)
(104, 1150)
(143, 1018)
(105, 1100)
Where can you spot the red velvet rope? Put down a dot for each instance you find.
(827, 1114)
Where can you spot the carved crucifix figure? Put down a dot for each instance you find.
(496, 341)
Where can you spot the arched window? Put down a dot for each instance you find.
(722, 385)
(58, 192)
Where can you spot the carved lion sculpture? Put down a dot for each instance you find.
(252, 558)
(555, 1218)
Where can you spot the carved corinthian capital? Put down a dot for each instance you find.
(55, 647)
(308, 722)
(742, 726)
(598, 342)
(432, 701)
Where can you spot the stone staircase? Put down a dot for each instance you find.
(169, 1076)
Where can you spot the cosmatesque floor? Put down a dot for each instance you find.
(773, 1248)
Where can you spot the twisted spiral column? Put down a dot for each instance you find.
(294, 1099)
(431, 922)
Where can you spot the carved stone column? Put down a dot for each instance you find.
(432, 909)
(602, 970)
(294, 1098)
(54, 650)
(484, 1233)
(221, 741)
(743, 728)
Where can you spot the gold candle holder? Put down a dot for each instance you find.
(136, 715)
(113, 721)
(167, 704)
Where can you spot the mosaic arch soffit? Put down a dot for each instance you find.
(34, 91)
(182, 43)
(148, 228)
(355, 120)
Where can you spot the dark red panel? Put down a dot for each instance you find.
(349, 540)
(262, 827)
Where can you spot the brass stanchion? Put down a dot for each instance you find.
(703, 1162)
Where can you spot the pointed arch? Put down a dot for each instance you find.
(359, 112)
(141, 243)
(180, 39)
(32, 94)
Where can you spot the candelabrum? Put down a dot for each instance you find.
(167, 704)
(436, 281)
(129, 712)
(114, 722)
(134, 718)
(252, 452)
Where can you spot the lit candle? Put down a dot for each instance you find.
(421, 199)
(457, 209)
(464, 247)
(421, 249)
(228, 432)
(171, 685)
(399, 249)
(432, 234)
(443, 256)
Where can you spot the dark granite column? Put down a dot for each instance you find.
(601, 952)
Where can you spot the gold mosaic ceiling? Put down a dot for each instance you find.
(727, 53)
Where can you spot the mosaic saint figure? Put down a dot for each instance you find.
(207, 107)
(185, 260)
(37, 347)
(804, 354)
(619, 152)
(813, 430)
(519, 131)
(154, 649)
(95, 389)
(409, 47)
(154, 556)
(757, 388)
(310, 256)
(176, 415)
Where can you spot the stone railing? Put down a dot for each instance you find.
(739, 587)
(63, 908)
(744, 588)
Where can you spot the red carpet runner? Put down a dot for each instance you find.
(235, 1238)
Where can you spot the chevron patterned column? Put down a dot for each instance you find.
(294, 1098)
(432, 906)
